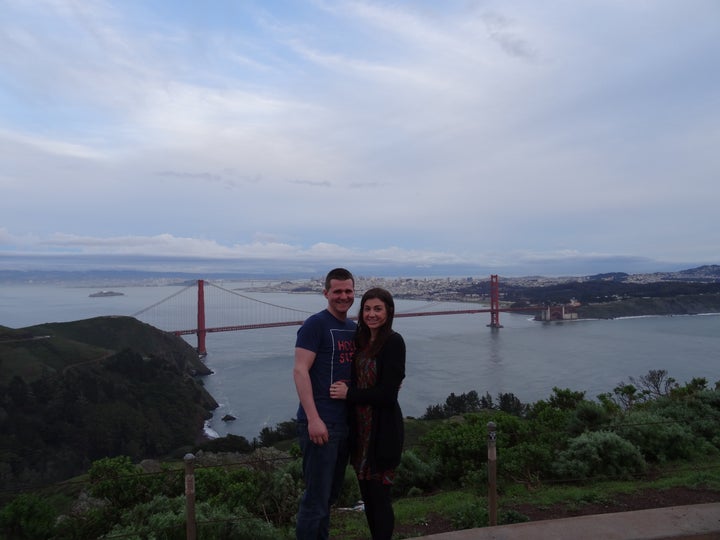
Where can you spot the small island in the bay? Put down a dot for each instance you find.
(101, 294)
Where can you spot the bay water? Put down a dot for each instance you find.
(252, 369)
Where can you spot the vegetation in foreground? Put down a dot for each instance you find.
(650, 432)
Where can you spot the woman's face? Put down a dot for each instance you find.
(374, 313)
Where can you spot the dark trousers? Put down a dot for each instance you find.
(324, 472)
(378, 508)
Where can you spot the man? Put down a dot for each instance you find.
(323, 354)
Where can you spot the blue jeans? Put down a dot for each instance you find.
(324, 472)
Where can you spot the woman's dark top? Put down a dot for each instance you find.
(376, 421)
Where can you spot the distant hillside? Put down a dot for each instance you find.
(633, 307)
(615, 294)
(593, 290)
(71, 393)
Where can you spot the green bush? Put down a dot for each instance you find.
(599, 454)
(27, 516)
(524, 462)
(278, 496)
(658, 438)
(565, 399)
(525, 447)
(237, 485)
(458, 446)
(545, 417)
(413, 472)
(90, 523)
(164, 518)
(699, 411)
(588, 416)
(118, 481)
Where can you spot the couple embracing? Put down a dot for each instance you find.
(348, 377)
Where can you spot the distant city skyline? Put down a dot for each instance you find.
(396, 138)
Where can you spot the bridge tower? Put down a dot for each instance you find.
(494, 302)
(201, 329)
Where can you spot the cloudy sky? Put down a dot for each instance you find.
(516, 136)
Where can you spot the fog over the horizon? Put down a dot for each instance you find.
(394, 138)
(76, 267)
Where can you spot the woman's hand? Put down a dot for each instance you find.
(338, 390)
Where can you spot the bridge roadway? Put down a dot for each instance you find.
(255, 326)
(693, 522)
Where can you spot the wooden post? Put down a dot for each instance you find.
(190, 521)
(492, 474)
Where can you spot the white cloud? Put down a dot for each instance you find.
(476, 133)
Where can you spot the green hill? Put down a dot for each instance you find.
(632, 307)
(74, 392)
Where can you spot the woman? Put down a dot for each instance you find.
(376, 421)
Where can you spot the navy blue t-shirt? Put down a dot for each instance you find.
(332, 342)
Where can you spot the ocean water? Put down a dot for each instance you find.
(252, 369)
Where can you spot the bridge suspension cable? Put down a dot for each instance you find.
(230, 310)
(156, 304)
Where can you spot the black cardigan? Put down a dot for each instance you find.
(387, 430)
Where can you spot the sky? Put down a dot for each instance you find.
(514, 137)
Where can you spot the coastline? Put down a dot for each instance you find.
(652, 306)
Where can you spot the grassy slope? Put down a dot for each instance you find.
(32, 354)
(45, 349)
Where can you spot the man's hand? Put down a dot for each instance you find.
(317, 430)
(338, 390)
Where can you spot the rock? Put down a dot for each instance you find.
(228, 418)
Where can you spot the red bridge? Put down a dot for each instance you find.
(184, 312)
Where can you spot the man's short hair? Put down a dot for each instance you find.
(341, 274)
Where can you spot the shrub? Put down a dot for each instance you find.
(588, 416)
(91, 521)
(658, 438)
(163, 518)
(228, 487)
(565, 399)
(510, 404)
(414, 473)
(525, 462)
(27, 516)
(700, 412)
(278, 495)
(458, 447)
(119, 481)
(599, 454)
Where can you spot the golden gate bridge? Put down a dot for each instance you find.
(204, 307)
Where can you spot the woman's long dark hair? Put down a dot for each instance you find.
(362, 334)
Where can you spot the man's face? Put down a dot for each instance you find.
(340, 297)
